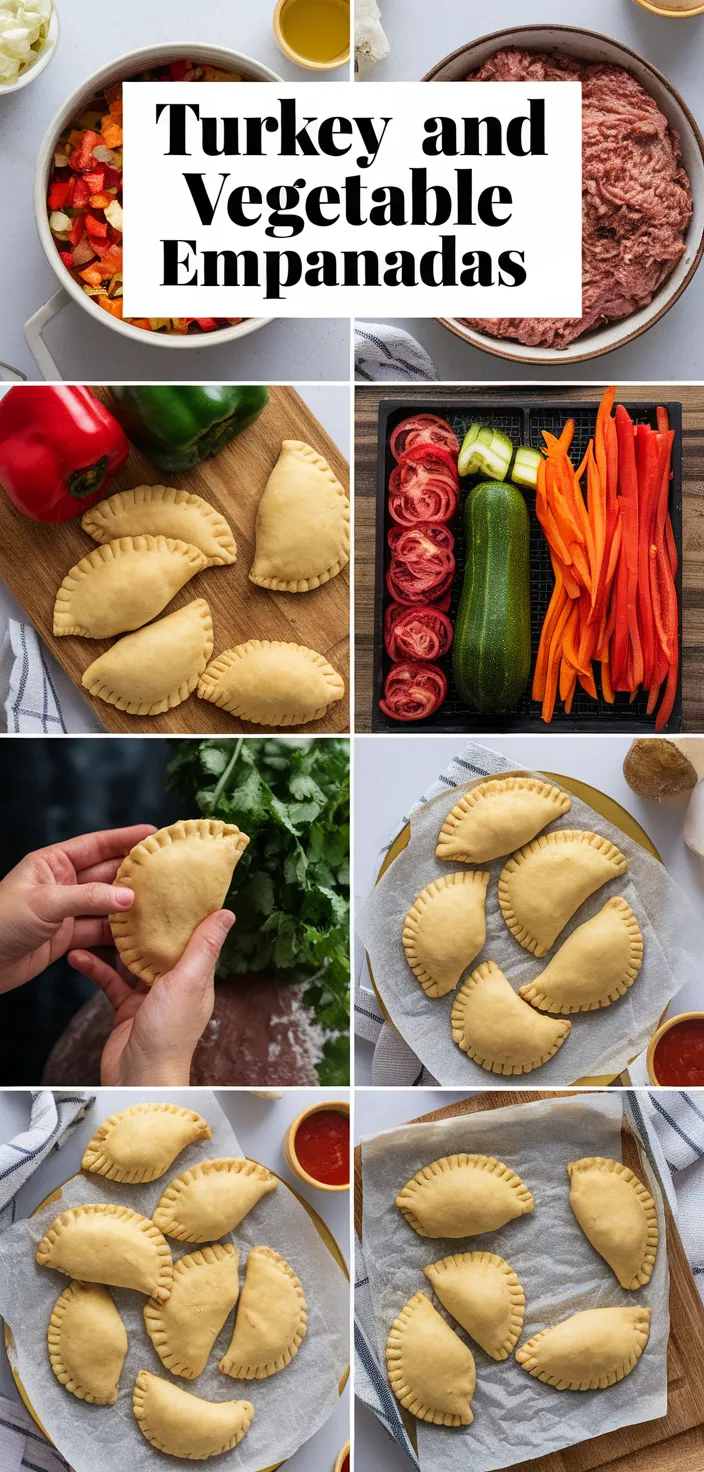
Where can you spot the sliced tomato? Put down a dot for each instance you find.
(412, 692)
(425, 545)
(405, 586)
(416, 633)
(418, 494)
(423, 429)
(434, 457)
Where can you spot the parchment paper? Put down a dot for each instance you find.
(515, 1416)
(600, 1042)
(289, 1407)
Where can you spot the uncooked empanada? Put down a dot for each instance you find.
(140, 1143)
(271, 683)
(484, 1295)
(183, 1425)
(123, 585)
(617, 1215)
(271, 1319)
(595, 965)
(87, 1343)
(211, 1199)
(156, 511)
(498, 817)
(205, 1290)
(445, 929)
(543, 884)
(431, 1371)
(499, 1031)
(303, 523)
(463, 1196)
(179, 875)
(590, 1351)
(109, 1244)
(153, 670)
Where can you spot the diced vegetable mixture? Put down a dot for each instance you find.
(85, 200)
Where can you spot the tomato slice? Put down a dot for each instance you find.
(416, 633)
(418, 494)
(405, 586)
(424, 546)
(412, 692)
(434, 457)
(425, 429)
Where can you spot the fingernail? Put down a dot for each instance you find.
(227, 920)
(122, 898)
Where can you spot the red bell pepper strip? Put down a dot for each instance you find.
(649, 479)
(78, 229)
(668, 699)
(81, 192)
(59, 447)
(58, 194)
(629, 543)
(82, 157)
(96, 227)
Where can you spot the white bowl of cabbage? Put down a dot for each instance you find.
(29, 33)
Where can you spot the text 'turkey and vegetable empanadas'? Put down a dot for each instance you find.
(179, 876)
(463, 1196)
(543, 884)
(272, 683)
(163, 511)
(204, 1292)
(595, 966)
(431, 1371)
(271, 1319)
(589, 1351)
(445, 929)
(183, 1425)
(484, 1295)
(156, 668)
(499, 1031)
(303, 523)
(87, 1343)
(109, 1244)
(498, 817)
(140, 1143)
(617, 1215)
(212, 1198)
(123, 585)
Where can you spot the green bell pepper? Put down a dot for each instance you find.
(177, 426)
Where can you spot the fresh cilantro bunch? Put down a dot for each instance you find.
(290, 890)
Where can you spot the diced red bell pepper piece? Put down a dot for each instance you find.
(58, 194)
(70, 197)
(96, 227)
(81, 157)
(79, 225)
(207, 323)
(95, 181)
(179, 69)
(81, 194)
(101, 248)
(67, 257)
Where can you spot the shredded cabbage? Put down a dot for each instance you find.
(24, 26)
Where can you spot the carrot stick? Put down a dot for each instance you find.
(555, 606)
(570, 697)
(567, 435)
(668, 699)
(606, 688)
(553, 664)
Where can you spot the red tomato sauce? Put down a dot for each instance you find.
(345, 1465)
(322, 1146)
(679, 1056)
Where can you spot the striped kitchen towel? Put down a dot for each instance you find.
(22, 1446)
(370, 1383)
(38, 696)
(386, 354)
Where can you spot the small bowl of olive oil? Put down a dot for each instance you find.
(314, 33)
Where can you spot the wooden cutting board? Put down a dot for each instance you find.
(672, 1443)
(34, 559)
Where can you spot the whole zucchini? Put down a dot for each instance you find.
(491, 647)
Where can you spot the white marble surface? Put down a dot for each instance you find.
(420, 36)
(260, 1126)
(84, 349)
(391, 772)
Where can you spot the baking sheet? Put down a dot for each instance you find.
(516, 1417)
(289, 1407)
(602, 1042)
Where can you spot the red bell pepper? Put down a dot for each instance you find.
(58, 194)
(82, 157)
(77, 229)
(81, 192)
(59, 447)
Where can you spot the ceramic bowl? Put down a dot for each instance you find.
(665, 1027)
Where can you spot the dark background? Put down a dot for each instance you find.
(53, 789)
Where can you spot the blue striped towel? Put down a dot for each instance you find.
(385, 354)
(39, 696)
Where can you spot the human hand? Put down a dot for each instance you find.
(156, 1029)
(59, 897)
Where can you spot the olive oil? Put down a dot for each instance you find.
(318, 30)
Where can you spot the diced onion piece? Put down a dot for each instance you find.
(59, 222)
(113, 213)
(103, 154)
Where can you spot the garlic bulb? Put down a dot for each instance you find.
(370, 43)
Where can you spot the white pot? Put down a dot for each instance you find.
(121, 70)
(590, 46)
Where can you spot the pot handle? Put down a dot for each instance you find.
(33, 330)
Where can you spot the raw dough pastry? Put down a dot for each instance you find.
(179, 875)
(109, 1244)
(303, 523)
(272, 683)
(463, 1196)
(498, 817)
(595, 965)
(445, 930)
(617, 1215)
(205, 1290)
(499, 1031)
(431, 1371)
(183, 1425)
(140, 1143)
(123, 585)
(210, 1200)
(87, 1343)
(155, 669)
(271, 1319)
(162, 511)
(590, 1351)
(543, 884)
(484, 1295)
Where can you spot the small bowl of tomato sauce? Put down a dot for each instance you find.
(317, 1145)
(675, 1058)
(343, 1462)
